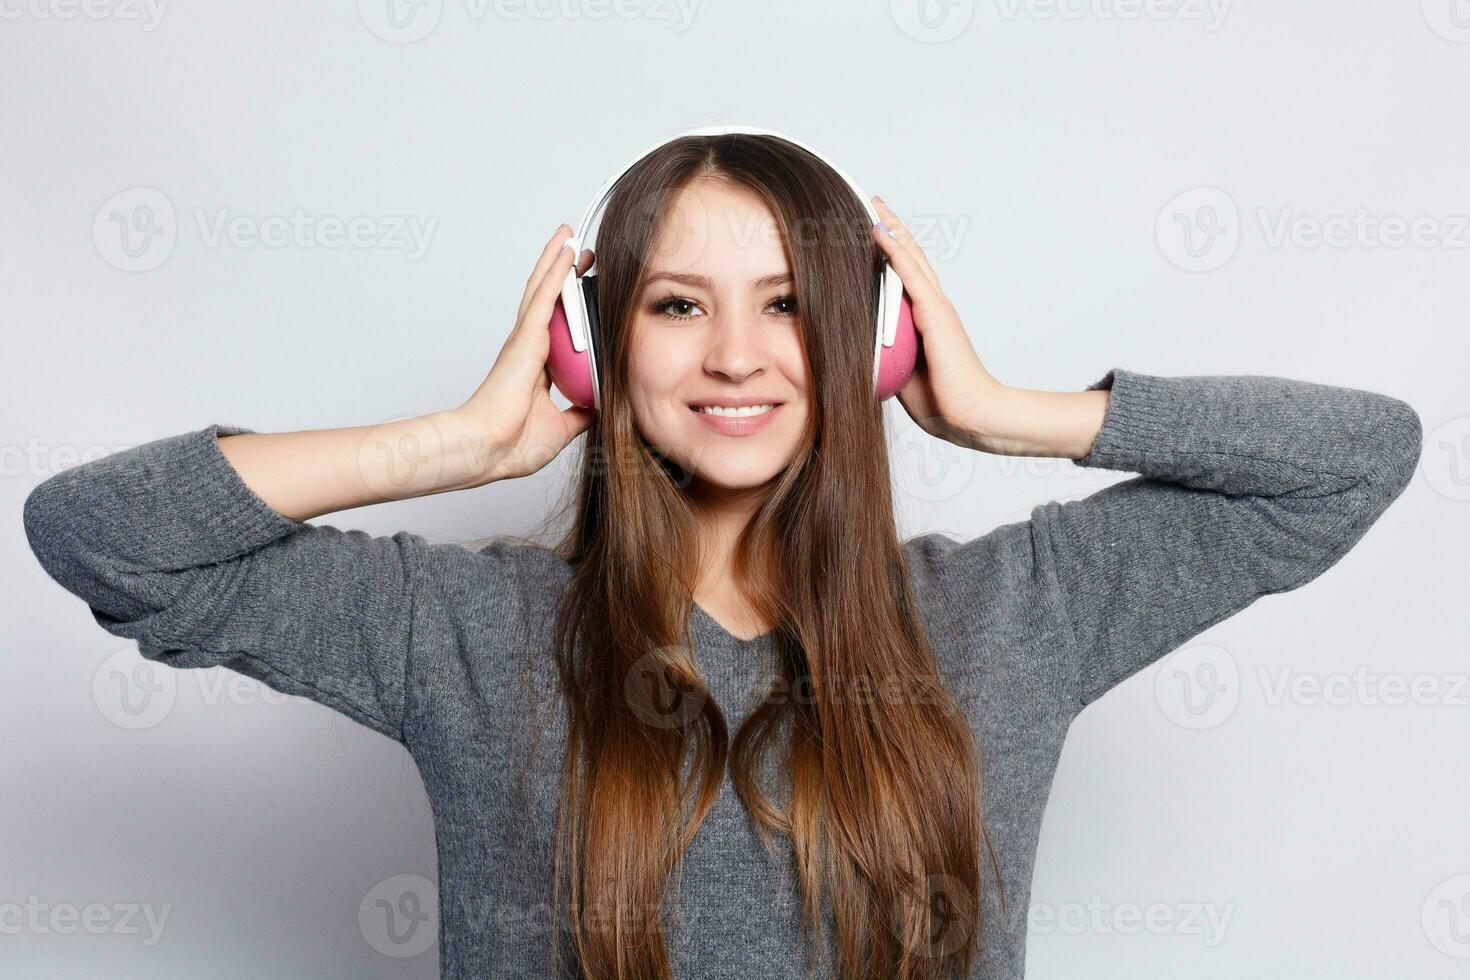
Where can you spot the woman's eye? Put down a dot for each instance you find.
(669, 304)
(789, 302)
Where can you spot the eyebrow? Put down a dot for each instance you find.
(702, 282)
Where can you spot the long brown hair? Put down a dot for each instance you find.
(884, 813)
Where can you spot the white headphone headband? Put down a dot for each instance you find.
(579, 233)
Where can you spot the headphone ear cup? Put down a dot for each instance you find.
(896, 363)
(589, 299)
(570, 369)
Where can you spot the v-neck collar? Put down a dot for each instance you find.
(725, 635)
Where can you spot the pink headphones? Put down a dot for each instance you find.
(574, 329)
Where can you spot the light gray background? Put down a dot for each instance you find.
(1040, 156)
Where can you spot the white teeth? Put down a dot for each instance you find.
(735, 412)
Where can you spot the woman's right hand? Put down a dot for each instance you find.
(510, 422)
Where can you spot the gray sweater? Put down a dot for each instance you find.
(1248, 485)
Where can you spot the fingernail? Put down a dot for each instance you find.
(880, 200)
(888, 230)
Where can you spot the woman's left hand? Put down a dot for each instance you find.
(950, 388)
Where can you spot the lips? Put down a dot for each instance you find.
(737, 425)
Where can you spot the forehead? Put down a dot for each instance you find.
(715, 229)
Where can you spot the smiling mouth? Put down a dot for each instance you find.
(737, 420)
(741, 412)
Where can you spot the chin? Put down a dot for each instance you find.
(736, 474)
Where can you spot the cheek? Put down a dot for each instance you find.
(656, 373)
(794, 363)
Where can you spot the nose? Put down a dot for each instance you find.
(736, 346)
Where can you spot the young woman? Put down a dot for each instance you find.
(730, 726)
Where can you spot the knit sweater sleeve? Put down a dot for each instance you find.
(168, 546)
(1247, 486)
